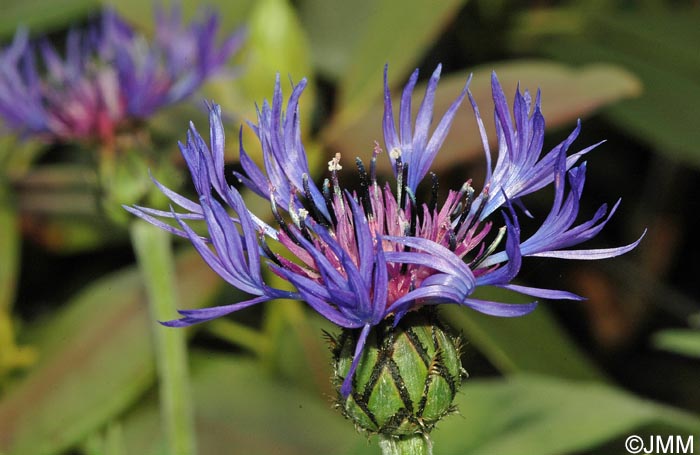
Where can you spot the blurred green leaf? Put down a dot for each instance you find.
(12, 357)
(567, 94)
(334, 28)
(9, 247)
(661, 49)
(534, 343)
(17, 155)
(298, 350)
(107, 442)
(367, 32)
(71, 234)
(59, 208)
(353, 41)
(231, 14)
(276, 43)
(240, 406)
(42, 15)
(96, 360)
(680, 341)
(528, 414)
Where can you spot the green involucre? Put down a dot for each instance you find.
(407, 377)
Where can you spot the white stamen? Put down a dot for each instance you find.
(334, 164)
(297, 215)
(395, 153)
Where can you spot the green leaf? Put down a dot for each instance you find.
(41, 15)
(529, 414)
(11, 355)
(680, 341)
(18, 154)
(239, 406)
(348, 35)
(96, 360)
(276, 43)
(298, 351)
(533, 343)
(661, 49)
(231, 14)
(58, 204)
(372, 34)
(334, 29)
(567, 94)
(9, 248)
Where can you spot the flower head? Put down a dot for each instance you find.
(359, 256)
(109, 74)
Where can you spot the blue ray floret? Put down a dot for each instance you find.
(359, 257)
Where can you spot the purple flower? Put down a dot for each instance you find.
(359, 256)
(110, 75)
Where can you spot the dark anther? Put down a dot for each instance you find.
(409, 231)
(268, 252)
(364, 188)
(452, 240)
(304, 229)
(404, 181)
(282, 224)
(327, 195)
(479, 210)
(467, 207)
(433, 193)
(462, 217)
(412, 228)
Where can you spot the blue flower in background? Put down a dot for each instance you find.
(107, 75)
(358, 256)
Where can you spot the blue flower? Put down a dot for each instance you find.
(358, 256)
(110, 75)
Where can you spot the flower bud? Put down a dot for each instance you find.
(407, 377)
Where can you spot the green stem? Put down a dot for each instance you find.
(154, 255)
(406, 445)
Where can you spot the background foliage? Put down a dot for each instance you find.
(77, 372)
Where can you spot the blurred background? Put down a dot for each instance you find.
(77, 357)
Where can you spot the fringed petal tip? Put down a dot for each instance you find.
(500, 309)
(592, 254)
(191, 317)
(182, 322)
(550, 294)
